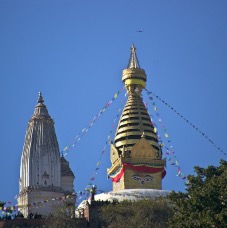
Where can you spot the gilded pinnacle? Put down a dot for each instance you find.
(133, 76)
(133, 61)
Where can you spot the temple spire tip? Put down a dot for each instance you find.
(133, 61)
(40, 98)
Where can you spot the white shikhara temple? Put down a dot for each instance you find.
(44, 174)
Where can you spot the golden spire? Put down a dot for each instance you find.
(135, 121)
(135, 142)
(134, 77)
(133, 61)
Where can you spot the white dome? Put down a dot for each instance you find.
(131, 194)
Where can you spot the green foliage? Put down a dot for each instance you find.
(144, 213)
(62, 218)
(205, 202)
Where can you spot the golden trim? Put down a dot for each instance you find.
(135, 82)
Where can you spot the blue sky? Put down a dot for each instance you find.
(74, 53)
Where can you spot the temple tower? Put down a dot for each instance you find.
(44, 176)
(135, 154)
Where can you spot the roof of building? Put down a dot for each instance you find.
(40, 109)
(65, 169)
(40, 157)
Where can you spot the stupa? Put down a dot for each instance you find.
(137, 166)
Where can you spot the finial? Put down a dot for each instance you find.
(133, 61)
(134, 77)
(133, 47)
(40, 98)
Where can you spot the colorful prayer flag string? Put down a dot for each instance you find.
(108, 141)
(187, 121)
(37, 204)
(78, 137)
(169, 148)
(95, 172)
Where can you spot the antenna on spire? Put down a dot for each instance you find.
(40, 98)
(133, 60)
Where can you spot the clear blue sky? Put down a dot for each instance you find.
(75, 51)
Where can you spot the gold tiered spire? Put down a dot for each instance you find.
(135, 152)
(135, 120)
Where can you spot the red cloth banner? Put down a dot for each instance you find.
(139, 168)
(144, 168)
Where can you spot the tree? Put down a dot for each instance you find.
(205, 202)
(63, 218)
(143, 213)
